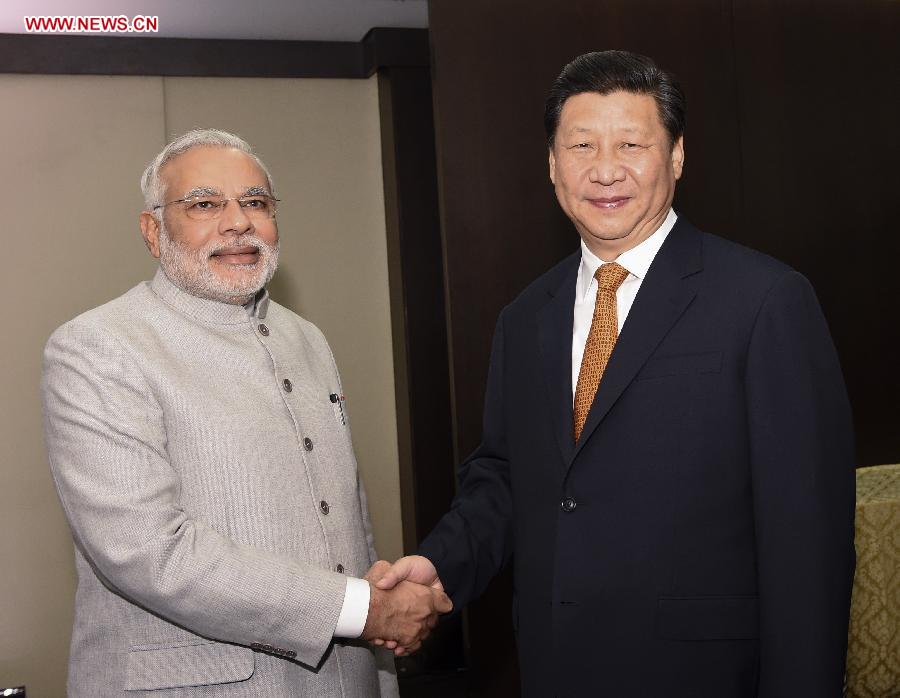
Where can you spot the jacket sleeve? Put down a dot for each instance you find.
(802, 460)
(473, 541)
(106, 439)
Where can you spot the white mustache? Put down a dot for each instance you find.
(242, 241)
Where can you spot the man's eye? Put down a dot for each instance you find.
(630, 146)
(204, 204)
(581, 146)
(256, 202)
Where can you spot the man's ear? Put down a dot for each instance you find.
(552, 163)
(150, 232)
(678, 156)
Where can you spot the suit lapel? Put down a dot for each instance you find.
(555, 321)
(663, 297)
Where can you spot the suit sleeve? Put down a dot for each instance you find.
(106, 439)
(802, 459)
(473, 541)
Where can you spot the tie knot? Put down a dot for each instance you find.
(610, 276)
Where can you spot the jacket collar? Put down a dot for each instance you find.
(208, 311)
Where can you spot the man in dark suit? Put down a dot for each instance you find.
(667, 455)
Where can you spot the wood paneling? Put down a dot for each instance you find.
(818, 113)
(421, 362)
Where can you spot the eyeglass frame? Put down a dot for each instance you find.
(224, 200)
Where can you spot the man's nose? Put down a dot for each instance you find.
(234, 219)
(606, 168)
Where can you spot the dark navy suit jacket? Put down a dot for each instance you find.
(697, 541)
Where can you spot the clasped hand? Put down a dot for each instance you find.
(405, 602)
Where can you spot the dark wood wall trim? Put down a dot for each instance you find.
(387, 47)
(415, 266)
(106, 55)
(419, 330)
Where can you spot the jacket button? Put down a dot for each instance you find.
(263, 330)
(287, 385)
(308, 444)
(323, 505)
(567, 505)
(339, 569)
(255, 646)
(290, 654)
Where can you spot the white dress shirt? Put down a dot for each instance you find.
(355, 610)
(637, 262)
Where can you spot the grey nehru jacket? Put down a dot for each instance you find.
(213, 496)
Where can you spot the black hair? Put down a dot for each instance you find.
(611, 71)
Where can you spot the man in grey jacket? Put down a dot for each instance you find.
(201, 453)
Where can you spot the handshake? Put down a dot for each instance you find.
(405, 602)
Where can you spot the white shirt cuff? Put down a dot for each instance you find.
(355, 610)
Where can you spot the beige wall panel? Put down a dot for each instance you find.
(321, 141)
(73, 148)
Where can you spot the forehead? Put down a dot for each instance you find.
(625, 110)
(224, 169)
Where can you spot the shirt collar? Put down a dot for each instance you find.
(637, 260)
(206, 310)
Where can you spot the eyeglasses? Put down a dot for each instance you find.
(206, 208)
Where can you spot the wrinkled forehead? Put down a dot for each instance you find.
(213, 169)
(624, 110)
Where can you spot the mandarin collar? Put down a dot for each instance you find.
(206, 310)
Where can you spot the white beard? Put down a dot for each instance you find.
(190, 270)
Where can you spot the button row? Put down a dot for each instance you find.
(286, 383)
(263, 647)
(288, 387)
(307, 442)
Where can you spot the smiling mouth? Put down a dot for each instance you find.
(612, 202)
(246, 254)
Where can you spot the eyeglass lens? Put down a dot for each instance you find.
(210, 207)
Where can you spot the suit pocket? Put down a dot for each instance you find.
(708, 618)
(682, 365)
(186, 663)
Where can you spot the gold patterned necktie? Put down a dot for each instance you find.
(600, 342)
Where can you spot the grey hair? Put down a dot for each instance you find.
(151, 185)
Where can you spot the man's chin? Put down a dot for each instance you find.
(604, 237)
(237, 292)
(232, 288)
(239, 275)
(243, 281)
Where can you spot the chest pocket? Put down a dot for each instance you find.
(682, 365)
